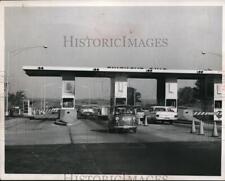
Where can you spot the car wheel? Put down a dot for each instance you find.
(134, 130)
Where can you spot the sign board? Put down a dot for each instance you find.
(120, 89)
(68, 88)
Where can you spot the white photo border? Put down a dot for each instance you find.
(77, 3)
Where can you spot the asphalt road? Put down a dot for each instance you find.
(38, 132)
(38, 146)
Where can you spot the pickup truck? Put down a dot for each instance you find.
(162, 114)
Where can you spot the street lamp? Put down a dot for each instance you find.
(205, 87)
(216, 54)
(15, 52)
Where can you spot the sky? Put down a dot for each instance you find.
(188, 30)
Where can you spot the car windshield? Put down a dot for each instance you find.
(170, 110)
(87, 109)
(160, 109)
(124, 110)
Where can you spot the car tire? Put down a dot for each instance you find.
(134, 130)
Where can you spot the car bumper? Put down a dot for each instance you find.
(124, 127)
(166, 119)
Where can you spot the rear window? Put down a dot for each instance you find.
(123, 110)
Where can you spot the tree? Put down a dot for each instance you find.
(138, 97)
(186, 96)
(200, 87)
(16, 99)
(196, 90)
(133, 96)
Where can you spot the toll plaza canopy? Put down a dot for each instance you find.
(112, 71)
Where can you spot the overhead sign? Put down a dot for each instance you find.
(121, 67)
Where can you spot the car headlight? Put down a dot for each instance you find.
(134, 118)
(117, 118)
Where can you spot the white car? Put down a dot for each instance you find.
(162, 113)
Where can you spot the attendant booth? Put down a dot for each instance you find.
(217, 100)
(171, 93)
(118, 91)
(68, 112)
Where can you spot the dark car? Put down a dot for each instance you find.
(122, 118)
(87, 112)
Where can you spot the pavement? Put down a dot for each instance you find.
(22, 131)
(156, 158)
(86, 147)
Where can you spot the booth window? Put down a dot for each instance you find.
(68, 102)
(218, 104)
(25, 107)
(120, 101)
(171, 102)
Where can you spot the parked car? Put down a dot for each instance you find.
(161, 113)
(122, 118)
(87, 112)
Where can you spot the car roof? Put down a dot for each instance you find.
(159, 107)
(162, 107)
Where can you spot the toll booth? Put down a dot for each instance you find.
(118, 91)
(166, 83)
(171, 93)
(167, 92)
(68, 111)
(27, 109)
(217, 100)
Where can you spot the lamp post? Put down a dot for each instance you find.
(211, 53)
(15, 52)
(206, 89)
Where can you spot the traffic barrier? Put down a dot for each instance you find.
(203, 113)
(193, 129)
(146, 121)
(215, 132)
(201, 128)
(218, 113)
(42, 111)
